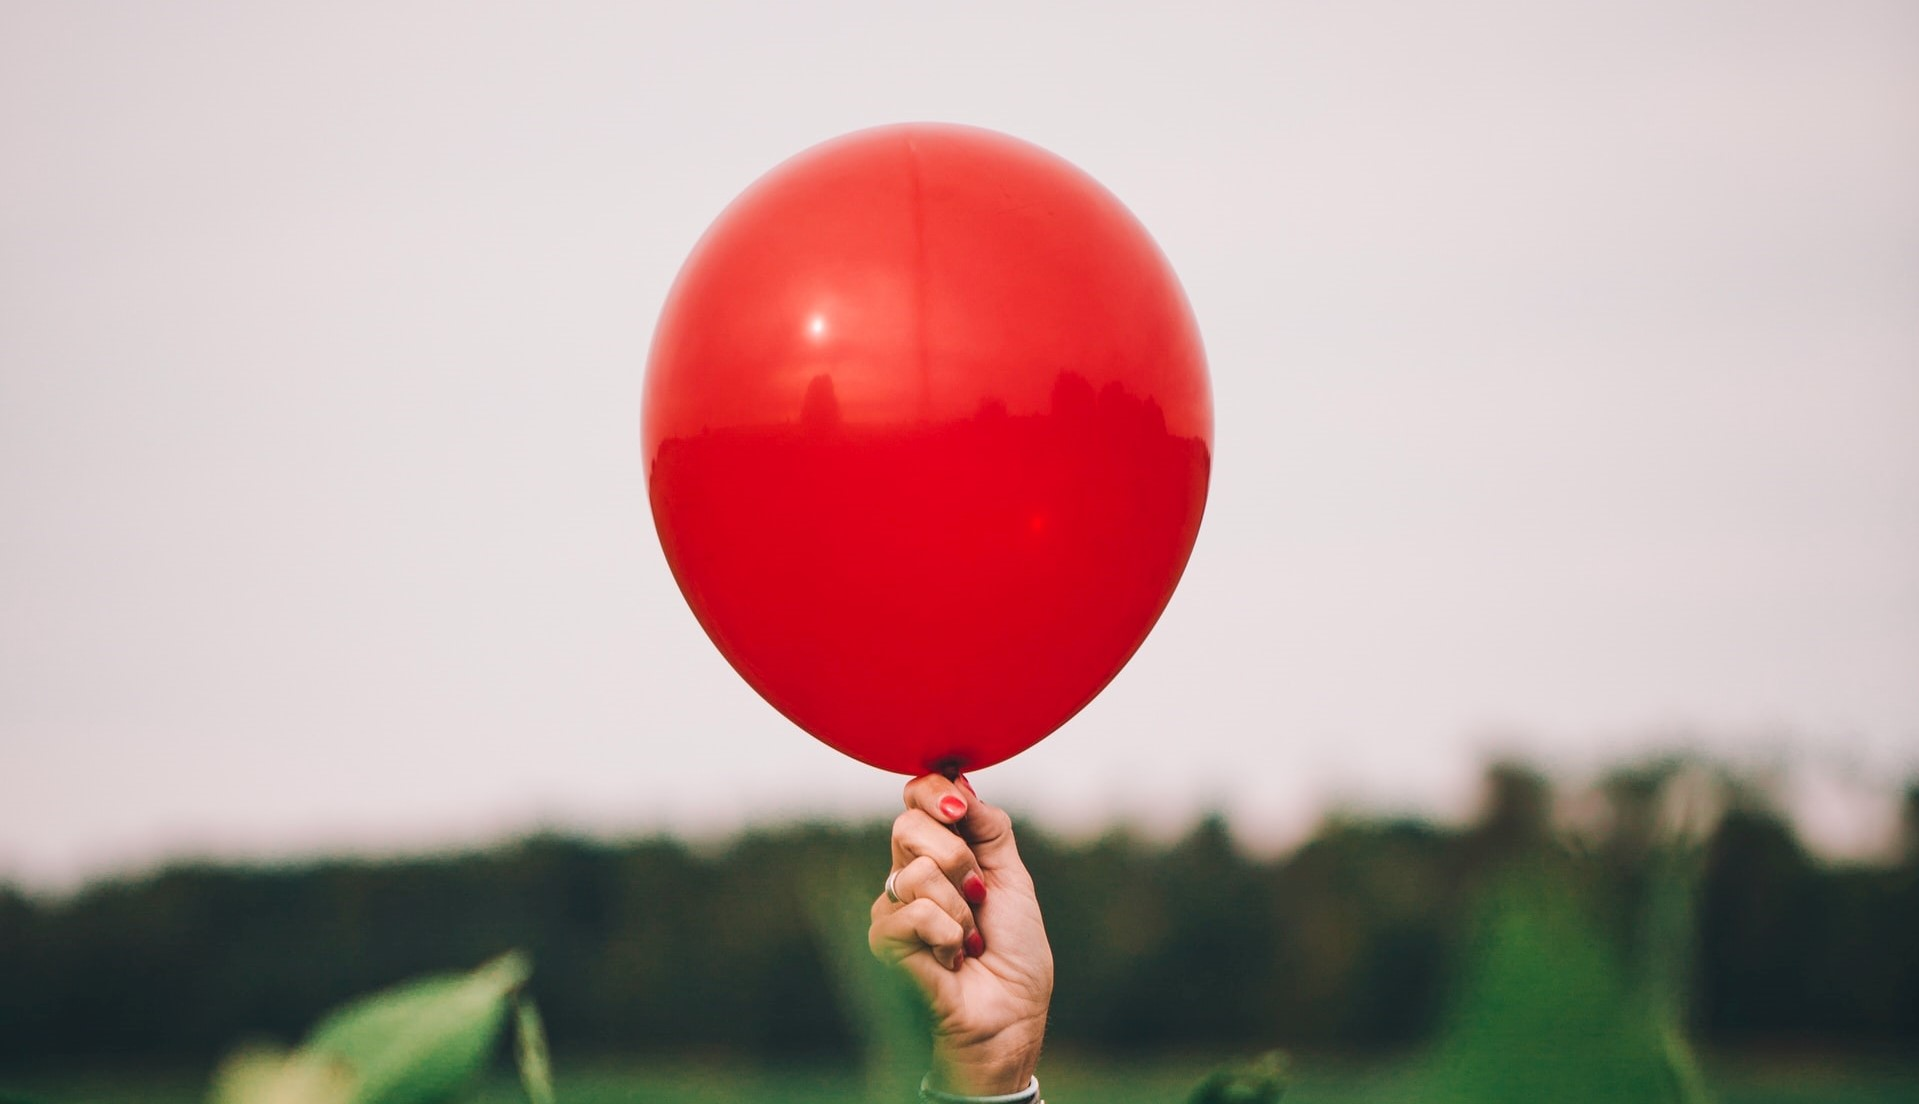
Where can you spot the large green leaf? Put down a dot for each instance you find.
(421, 1043)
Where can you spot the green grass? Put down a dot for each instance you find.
(1068, 1080)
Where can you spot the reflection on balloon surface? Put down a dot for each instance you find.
(928, 435)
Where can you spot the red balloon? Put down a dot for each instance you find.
(928, 434)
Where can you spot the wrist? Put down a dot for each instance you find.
(999, 1066)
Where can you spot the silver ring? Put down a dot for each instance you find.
(890, 894)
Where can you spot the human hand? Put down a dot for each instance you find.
(967, 928)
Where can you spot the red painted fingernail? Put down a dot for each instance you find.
(969, 786)
(952, 808)
(959, 956)
(975, 944)
(974, 888)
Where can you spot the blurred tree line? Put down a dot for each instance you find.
(655, 946)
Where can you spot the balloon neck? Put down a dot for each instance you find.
(949, 767)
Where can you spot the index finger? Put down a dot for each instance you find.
(952, 802)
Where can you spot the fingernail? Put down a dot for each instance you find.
(969, 786)
(975, 944)
(952, 808)
(975, 889)
(959, 956)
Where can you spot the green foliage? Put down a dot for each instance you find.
(1261, 1081)
(655, 948)
(1578, 975)
(422, 1042)
(419, 1043)
(894, 1027)
(536, 1068)
(267, 1076)
(1549, 1012)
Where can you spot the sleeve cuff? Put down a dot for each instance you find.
(930, 1095)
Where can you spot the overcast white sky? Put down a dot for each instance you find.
(1566, 359)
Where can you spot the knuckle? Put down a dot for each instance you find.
(934, 925)
(954, 855)
(920, 873)
(920, 792)
(910, 827)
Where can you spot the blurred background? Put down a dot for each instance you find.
(1566, 362)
